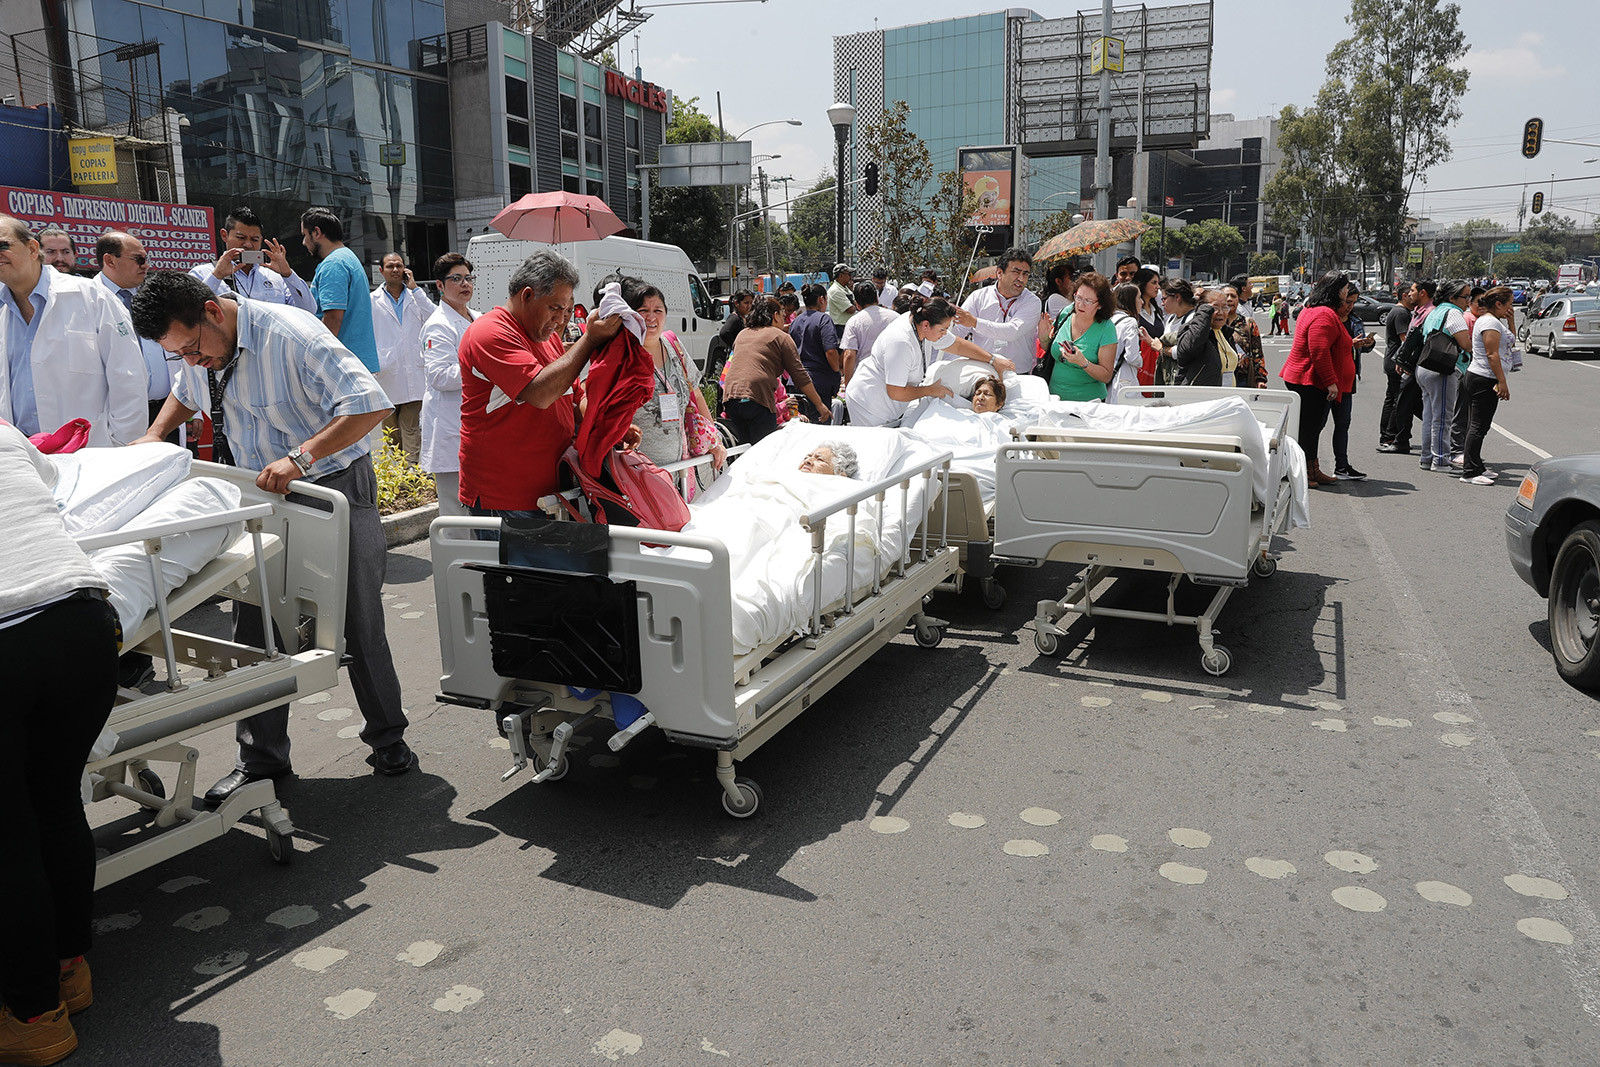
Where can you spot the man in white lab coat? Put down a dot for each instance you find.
(123, 265)
(399, 310)
(67, 349)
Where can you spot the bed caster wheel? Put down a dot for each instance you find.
(993, 594)
(280, 847)
(1217, 661)
(556, 775)
(150, 782)
(749, 799)
(929, 636)
(1264, 566)
(1046, 643)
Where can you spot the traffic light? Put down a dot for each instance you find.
(1538, 203)
(870, 176)
(1532, 134)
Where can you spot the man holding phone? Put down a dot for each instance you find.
(243, 251)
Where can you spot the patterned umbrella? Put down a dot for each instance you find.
(1091, 236)
(555, 218)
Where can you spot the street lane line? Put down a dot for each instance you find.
(1535, 449)
(1434, 681)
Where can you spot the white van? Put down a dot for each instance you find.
(691, 312)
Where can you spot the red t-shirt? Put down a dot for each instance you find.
(509, 450)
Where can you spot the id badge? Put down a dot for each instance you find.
(670, 411)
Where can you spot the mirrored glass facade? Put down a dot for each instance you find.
(290, 104)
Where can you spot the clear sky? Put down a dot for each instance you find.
(772, 60)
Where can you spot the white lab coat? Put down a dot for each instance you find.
(86, 363)
(159, 371)
(400, 343)
(441, 404)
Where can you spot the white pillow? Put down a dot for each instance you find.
(1027, 387)
(100, 489)
(961, 376)
(878, 450)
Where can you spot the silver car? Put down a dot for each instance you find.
(1553, 538)
(1563, 324)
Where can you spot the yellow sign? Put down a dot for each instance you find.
(94, 160)
(1107, 55)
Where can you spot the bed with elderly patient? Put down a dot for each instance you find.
(171, 535)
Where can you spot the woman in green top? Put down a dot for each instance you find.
(1084, 350)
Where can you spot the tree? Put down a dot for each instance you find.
(693, 218)
(1213, 241)
(1523, 265)
(904, 171)
(1159, 244)
(946, 241)
(811, 225)
(1305, 194)
(1463, 263)
(1266, 263)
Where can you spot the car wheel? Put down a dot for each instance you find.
(1575, 607)
(1550, 347)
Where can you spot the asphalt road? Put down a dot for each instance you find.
(971, 854)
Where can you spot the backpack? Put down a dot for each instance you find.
(630, 491)
(1410, 348)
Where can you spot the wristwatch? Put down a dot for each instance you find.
(302, 458)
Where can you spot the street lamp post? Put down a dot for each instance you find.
(842, 116)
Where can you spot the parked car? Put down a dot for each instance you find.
(1553, 538)
(1372, 307)
(1563, 324)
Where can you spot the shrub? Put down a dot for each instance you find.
(400, 485)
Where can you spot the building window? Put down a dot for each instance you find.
(521, 181)
(593, 153)
(517, 134)
(633, 132)
(516, 97)
(569, 146)
(569, 113)
(592, 126)
(633, 164)
(597, 189)
(569, 182)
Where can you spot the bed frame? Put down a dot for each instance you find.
(1118, 501)
(678, 616)
(297, 557)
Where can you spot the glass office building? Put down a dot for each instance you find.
(284, 104)
(956, 74)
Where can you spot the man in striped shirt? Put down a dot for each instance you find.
(298, 405)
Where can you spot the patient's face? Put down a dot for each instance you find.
(983, 398)
(819, 461)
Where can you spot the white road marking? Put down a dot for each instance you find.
(1457, 740)
(420, 953)
(1351, 862)
(888, 824)
(1444, 893)
(1336, 726)
(1187, 838)
(1182, 873)
(1273, 869)
(1024, 847)
(350, 1003)
(457, 998)
(1108, 843)
(204, 919)
(1358, 898)
(319, 959)
(1040, 816)
(292, 916)
(183, 882)
(965, 821)
(221, 963)
(1530, 446)
(1434, 680)
(1535, 887)
(616, 1044)
(1546, 930)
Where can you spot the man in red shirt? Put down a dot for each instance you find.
(521, 399)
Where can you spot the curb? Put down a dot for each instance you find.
(404, 527)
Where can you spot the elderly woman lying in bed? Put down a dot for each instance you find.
(832, 457)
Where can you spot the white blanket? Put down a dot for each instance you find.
(755, 511)
(100, 489)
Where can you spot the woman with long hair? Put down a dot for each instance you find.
(1321, 366)
(1439, 389)
(1130, 356)
(675, 422)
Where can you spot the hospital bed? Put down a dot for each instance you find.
(626, 628)
(1201, 503)
(292, 555)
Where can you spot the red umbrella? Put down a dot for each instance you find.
(555, 218)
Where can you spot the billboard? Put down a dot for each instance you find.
(704, 163)
(990, 173)
(175, 236)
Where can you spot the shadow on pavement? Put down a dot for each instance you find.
(651, 827)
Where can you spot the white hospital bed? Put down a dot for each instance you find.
(297, 556)
(676, 633)
(1186, 504)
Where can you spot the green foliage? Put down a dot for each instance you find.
(904, 170)
(1523, 264)
(1265, 263)
(811, 227)
(694, 219)
(400, 485)
(1213, 242)
(1041, 230)
(945, 243)
(1473, 228)
(1463, 263)
(1158, 244)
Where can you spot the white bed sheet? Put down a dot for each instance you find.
(755, 510)
(974, 437)
(101, 489)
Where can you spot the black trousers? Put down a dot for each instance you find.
(750, 420)
(1313, 417)
(1459, 417)
(1407, 408)
(60, 669)
(1479, 400)
(1394, 385)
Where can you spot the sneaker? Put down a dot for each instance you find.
(1482, 479)
(76, 991)
(1441, 465)
(1347, 473)
(1458, 461)
(1387, 446)
(48, 1039)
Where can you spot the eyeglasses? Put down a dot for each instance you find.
(461, 279)
(6, 246)
(141, 260)
(190, 349)
(1088, 301)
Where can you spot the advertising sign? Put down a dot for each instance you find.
(1414, 254)
(94, 160)
(1107, 55)
(175, 236)
(991, 174)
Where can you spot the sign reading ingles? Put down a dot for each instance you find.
(645, 94)
(175, 236)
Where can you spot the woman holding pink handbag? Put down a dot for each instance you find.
(675, 421)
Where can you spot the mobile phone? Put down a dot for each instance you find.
(255, 259)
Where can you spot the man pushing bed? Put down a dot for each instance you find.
(298, 404)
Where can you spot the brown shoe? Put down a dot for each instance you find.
(76, 991)
(48, 1039)
(1319, 478)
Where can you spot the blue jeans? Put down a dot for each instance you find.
(1438, 397)
(1341, 430)
(493, 513)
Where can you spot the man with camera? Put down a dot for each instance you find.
(243, 251)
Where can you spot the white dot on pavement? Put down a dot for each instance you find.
(350, 731)
(1444, 893)
(457, 998)
(1182, 873)
(1040, 816)
(1108, 843)
(1351, 862)
(888, 824)
(1268, 868)
(965, 821)
(1182, 835)
(1358, 898)
(414, 615)
(1543, 888)
(1546, 930)
(350, 1003)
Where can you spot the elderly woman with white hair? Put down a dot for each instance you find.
(833, 457)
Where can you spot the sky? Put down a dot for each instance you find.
(769, 64)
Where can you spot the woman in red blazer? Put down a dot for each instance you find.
(1321, 366)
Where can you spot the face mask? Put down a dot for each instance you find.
(944, 342)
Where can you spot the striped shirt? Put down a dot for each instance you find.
(289, 378)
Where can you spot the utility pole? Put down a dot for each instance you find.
(1102, 154)
(766, 223)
